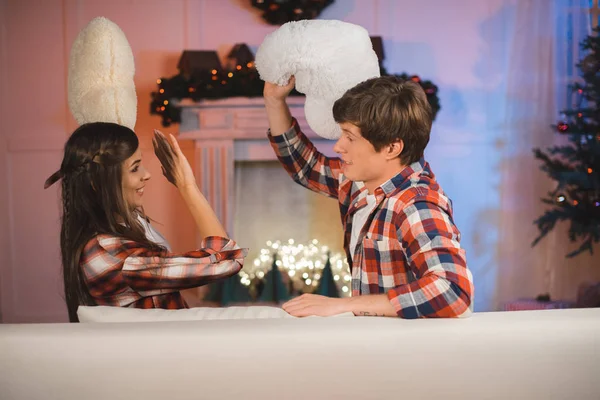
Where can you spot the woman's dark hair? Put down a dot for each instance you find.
(92, 200)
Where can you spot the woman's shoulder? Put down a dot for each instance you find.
(108, 243)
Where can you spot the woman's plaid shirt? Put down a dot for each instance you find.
(409, 247)
(119, 272)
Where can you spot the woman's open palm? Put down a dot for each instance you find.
(175, 166)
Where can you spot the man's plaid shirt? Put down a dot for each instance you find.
(409, 248)
(120, 272)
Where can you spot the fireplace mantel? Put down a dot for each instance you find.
(234, 118)
(230, 130)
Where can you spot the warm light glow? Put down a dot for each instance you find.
(230, 74)
(158, 81)
(214, 71)
(162, 90)
(166, 102)
(238, 67)
(590, 170)
(301, 265)
(249, 65)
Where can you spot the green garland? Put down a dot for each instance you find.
(278, 12)
(244, 81)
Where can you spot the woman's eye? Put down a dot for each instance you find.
(135, 169)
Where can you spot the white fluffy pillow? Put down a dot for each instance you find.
(101, 69)
(124, 314)
(327, 57)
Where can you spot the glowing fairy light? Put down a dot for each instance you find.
(301, 265)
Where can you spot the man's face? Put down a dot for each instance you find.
(360, 161)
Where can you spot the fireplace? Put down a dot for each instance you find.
(240, 176)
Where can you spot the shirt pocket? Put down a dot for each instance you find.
(385, 264)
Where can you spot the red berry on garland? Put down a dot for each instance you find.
(562, 127)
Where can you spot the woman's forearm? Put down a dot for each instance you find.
(206, 220)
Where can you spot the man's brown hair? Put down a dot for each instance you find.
(388, 109)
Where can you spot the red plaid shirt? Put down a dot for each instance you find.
(119, 272)
(409, 248)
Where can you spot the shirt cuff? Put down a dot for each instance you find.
(404, 304)
(288, 138)
(212, 244)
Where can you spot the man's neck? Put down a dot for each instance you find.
(384, 177)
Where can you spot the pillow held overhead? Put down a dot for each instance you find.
(100, 80)
(327, 57)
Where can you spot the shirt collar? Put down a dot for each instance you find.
(403, 178)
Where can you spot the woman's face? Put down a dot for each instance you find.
(135, 176)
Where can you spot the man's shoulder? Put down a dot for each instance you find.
(420, 187)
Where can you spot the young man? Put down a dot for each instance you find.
(400, 237)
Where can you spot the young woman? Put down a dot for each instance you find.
(110, 254)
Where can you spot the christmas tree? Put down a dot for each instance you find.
(327, 286)
(576, 166)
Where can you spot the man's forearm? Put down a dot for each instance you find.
(278, 113)
(375, 305)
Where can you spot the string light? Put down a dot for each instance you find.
(242, 81)
(301, 265)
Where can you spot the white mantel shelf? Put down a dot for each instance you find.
(237, 118)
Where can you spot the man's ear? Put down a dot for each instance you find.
(394, 149)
